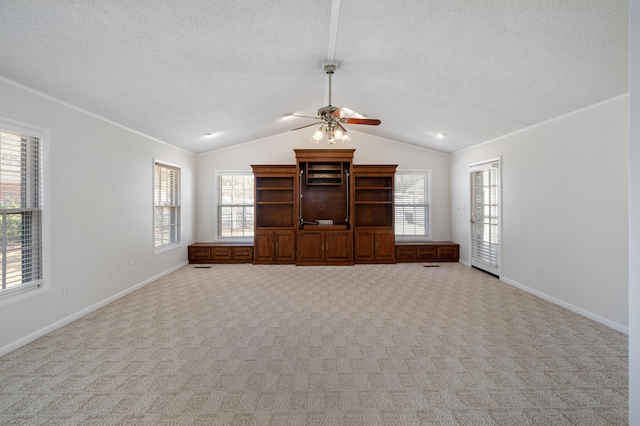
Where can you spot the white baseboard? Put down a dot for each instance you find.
(619, 327)
(61, 323)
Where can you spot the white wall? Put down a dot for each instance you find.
(564, 208)
(634, 216)
(279, 150)
(101, 212)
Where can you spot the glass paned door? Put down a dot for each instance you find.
(485, 217)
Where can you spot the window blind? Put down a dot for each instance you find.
(412, 207)
(167, 205)
(236, 205)
(20, 211)
(485, 245)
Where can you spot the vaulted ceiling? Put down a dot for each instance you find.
(178, 69)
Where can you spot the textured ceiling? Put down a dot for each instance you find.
(177, 69)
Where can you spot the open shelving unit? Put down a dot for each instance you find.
(324, 173)
(374, 236)
(275, 218)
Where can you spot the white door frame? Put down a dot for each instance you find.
(486, 164)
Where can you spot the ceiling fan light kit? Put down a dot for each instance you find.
(332, 117)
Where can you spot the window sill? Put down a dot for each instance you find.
(233, 239)
(27, 293)
(414, 238)
(167, 248)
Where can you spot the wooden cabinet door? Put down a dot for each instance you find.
(364, 245)
(199, 254)
(311, 246)
(264, 244)
(285, 249)
(385, 245)
(338, 246)
(222, 253)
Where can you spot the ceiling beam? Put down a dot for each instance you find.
(333, 29)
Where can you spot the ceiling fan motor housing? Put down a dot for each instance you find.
(327, 111)
(329, 67)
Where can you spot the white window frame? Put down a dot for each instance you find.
(426, 174)
(174, 204)
(221, 205)
(40, 286)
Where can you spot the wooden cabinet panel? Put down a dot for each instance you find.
(243, 253)
(364, 241)
(437, 251)
(448, 253)
(385, 245)
(274, 246)
(374, 245)
(285, 251)
(220, 253)
(263, 247)
(405, 253)
(427, 253)
(324, 247)
(338, 247)
(199, 254)
(310, 247)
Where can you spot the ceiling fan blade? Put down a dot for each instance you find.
(369, 121)
(342, 112)
(300, 116)
(302, 127)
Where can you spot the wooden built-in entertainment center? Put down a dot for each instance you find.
(324, 210)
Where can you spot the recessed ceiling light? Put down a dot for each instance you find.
(209, 134)
(440, 135)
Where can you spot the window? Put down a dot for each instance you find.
(412, 203)
(235, 206)
(167, 222)
(20, 212)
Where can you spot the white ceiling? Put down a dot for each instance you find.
(177, 69)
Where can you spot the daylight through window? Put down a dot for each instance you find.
(167, 214)
(20, 211)
(235, 205)
(412, 204)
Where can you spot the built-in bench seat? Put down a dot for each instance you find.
(432, 251)
(221, 252)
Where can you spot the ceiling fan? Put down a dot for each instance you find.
(331, 118)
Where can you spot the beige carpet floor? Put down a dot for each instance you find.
(284, 345)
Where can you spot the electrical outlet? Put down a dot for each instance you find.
(537, 270)
(130, 266)
(66, 289)
(112, 273)
(146, 261)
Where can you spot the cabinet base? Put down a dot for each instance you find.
(435, 251)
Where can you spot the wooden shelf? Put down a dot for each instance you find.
(374, 237)
(324, 173)
(275, 213)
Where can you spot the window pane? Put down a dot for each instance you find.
(235, 205)
(412, 203)
(167, 205)
(236, 221)
(20, 214)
